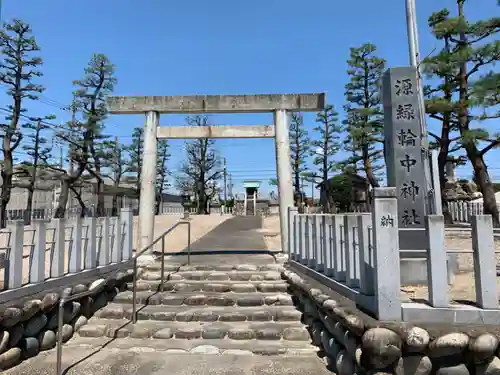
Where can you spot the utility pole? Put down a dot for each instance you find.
(230, 185)
(225, 180)
(414, 54)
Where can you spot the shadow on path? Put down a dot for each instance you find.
(235, 241)
(237, 233)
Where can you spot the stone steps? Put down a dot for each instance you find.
(212, 275)
(202, 313)
(213, 286)
(160, 330)
(177, 267)
(205, 346)
(205, 298)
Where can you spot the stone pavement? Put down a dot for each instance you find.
(237, 233)
(91, 361)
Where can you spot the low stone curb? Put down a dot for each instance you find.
(354, 346)
(154, 275)
(251, 310)
(172, 267)
(233, 330)
(27, 329)
(213, 286)
(205, 298)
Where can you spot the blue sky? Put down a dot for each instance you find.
(163, 47)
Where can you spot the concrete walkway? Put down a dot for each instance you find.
(236, 233)
(89, 361)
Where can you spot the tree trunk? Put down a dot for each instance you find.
(483, 179)
(114, 209)
(100, 198)
(29, 206)
(63, 200)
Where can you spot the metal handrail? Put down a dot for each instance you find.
(87, 293)
(162, 276)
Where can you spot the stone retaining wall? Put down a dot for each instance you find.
(353, 345)
(31, 326)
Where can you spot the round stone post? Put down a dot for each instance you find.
(148, 182)
(284, 170)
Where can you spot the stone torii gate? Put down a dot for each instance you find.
(153, 106)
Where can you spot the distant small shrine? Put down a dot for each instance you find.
(250, 200)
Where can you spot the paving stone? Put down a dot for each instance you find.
(163, 315)
(221, 301)
(119, 332)
(243, 288)
(113, 311)
(205, 316)
(261, 316)
(232, 317)
(188, 333)
(218, 276)
(10, 358)
(296, 334)
(268, 334)
(30, 347)
(219, 288)
(241, 334)
(215, 332)
(184, 316)
(142, 332)
(205, 349)
(196, 300)
(251, 300)
(256, 277)
(272, 287)
(288, 315)
(165, 333)
(237, 352)
(272, 275)
(171, 300)
(279, 300)
(93, 330)
(246, 267)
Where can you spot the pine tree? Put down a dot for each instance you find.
(36, 146)
(299, 149)
(364, 122)
(136, 151)
(325, 147)
(92, 90)
(161, 172)
(467, 62)
(18, 68)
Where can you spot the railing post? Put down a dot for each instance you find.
(58, 252)
(116, 251)
(91, 239)
(351, 253)
(303, 239)
(386, 254)
(75, 252)
(37, 259)
(310, 241)
(339, 266)
(319, 264)
(437, 278)
(14, 266)
(127, 218)
(292, 211)
(104, 249)
(326, 245)
(365, 261)
(485, 272)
